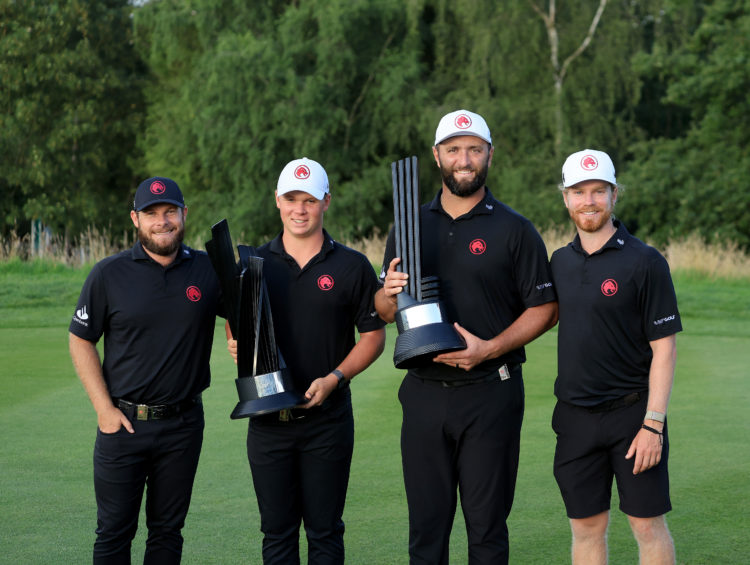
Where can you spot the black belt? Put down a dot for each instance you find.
(627, 400)
(155, 411)
(493, 376)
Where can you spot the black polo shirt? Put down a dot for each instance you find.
(317, 307)
(612, 304)
(492, 265)
(158, 323)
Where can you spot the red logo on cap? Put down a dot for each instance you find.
(157, 187)
(589, 162)
(609, 287)
(325, 282)
(193, 293)
(462, 121)
(302, 172)
(478, 246)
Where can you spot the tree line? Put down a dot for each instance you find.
(220, 94)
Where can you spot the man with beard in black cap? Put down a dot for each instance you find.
(462, 412)
(156, 306)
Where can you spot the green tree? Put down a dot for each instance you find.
(494, 58)
(237, 89)
(697, 182)
(560, 67)
(70, 113)
(335, 81)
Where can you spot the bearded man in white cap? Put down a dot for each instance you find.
(462, 411)
(616, 362)
(319, 291)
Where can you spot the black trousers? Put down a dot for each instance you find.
(467, 439)
(162, 456)
(300, 473)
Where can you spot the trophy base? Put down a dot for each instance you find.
(417, 346)
(266, 405)
(265, 393)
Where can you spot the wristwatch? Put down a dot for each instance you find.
(343, 381)
(655, 416)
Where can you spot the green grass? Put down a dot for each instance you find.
(47, 429)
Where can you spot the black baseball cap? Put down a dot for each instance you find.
(157, 190)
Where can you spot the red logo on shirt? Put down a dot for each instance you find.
(478, 246)
(325, 282)
(157, 187)
(193, 293)
(609, 287)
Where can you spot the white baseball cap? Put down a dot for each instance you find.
(305, 175)
(588, 164)
(462, 122)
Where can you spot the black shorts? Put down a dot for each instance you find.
(591, 448)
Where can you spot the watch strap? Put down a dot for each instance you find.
(655, 416)
(341, 378)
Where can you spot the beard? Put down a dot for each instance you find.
(590, 225)
(465, 188)
(162, 249)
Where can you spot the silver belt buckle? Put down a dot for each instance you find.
(504, 372)
(141, 412)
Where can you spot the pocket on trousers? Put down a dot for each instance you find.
(110, 434)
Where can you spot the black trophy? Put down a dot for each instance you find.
(263, 382)
(423, 331)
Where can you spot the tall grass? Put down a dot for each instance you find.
(87, 248)
(717, 260)
(691, 253)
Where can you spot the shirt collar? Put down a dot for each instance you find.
(137, 253)
(276, 245)
(485, 206)
(617, 241)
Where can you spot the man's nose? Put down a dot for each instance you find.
(463, 160)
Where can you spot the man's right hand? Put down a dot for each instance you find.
(385, 298)
(232, 348)
(111, 420)
(395, 281)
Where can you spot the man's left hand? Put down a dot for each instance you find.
(646, 447)
(477, 350)
(319, 390)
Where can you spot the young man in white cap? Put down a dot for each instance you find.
(156, 306)
(616, 361)
(319, 291)
(462, 412)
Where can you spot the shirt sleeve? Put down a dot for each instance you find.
(534, 276)
(367, 318)
(90, 312)
(658, 300)
(388, 256)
